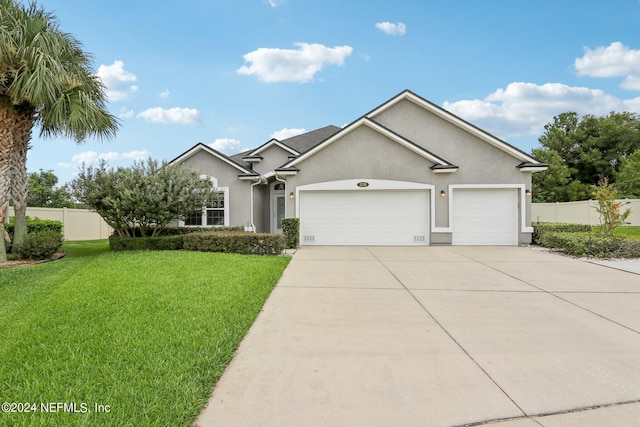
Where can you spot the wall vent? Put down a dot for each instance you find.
(309, 238)
(419, 239)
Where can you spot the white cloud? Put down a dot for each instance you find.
(164, 94)
(275, 3)
(117, 80)
(285, 133)
(615, 60)
(181, 116)
(89, 157)
(64, 165)
(292, 65)
(111, 155)
(399, 29)
(86, 157)
(126, 113)
(226, 145)
(136, 155)
(522, 109)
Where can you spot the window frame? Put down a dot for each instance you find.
(205, 209)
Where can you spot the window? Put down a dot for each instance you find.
(214, 213)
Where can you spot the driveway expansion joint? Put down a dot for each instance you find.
(441, 326)
(555, 295)
(533, 417)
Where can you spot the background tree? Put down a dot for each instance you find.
(45, 78)
(147, 195)
(628, 181)
(588, 149)
(44, 192)
(555, 184)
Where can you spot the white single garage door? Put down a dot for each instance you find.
(365, 217)
(485, 216)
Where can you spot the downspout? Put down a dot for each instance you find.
(282, 181)
(261, 180)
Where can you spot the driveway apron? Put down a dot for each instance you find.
(438, 336)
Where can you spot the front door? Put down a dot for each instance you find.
(277, 212)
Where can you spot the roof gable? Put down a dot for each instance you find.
(456, 121)
(256, 153)
(364, 121)
(201, 147)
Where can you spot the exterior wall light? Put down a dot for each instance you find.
(443, 194)
(527, 193)
(291, 195)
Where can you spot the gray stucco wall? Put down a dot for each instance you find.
(260, 208)
(227, 176)
(478, 161)
(273, 157)
(366, 154)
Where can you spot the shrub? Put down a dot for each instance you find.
(609, 209)
(235, 242)
(159, 243)
(175, 231)
(40, 245)
(291, 231)
(35, 225)
(591, 245)
(541, 228)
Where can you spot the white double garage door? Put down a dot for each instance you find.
(403, 217)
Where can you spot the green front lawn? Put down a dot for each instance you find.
(631, 232)
(143, 334)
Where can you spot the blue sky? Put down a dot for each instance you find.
(236, 73)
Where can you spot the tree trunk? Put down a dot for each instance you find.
(23, 123)
(6, 143)
(3, 233)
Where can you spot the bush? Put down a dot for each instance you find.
(591, 245)
(541, 228)
(35, 225)
(291, 231)
(160, 243)
(40, 245)
(178, 231)
(235, 242)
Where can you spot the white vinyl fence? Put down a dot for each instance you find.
(579, 212)
(79, 224)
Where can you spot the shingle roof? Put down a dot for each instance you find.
(306, 141)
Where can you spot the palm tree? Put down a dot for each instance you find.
(46, 79)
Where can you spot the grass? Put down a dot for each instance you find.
(631, 232)
(146, 334)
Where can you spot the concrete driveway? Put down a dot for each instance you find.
(438, 336)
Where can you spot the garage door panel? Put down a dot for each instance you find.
(374, 217)
(485, 216)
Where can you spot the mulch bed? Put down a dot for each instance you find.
(23, 262)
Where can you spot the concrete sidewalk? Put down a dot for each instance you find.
(438, 336)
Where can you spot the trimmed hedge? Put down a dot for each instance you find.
(35, 225)
(291, 232)
(178, 231)
(541, 228)
(159, 243)
(584, 244)
(234, 242)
